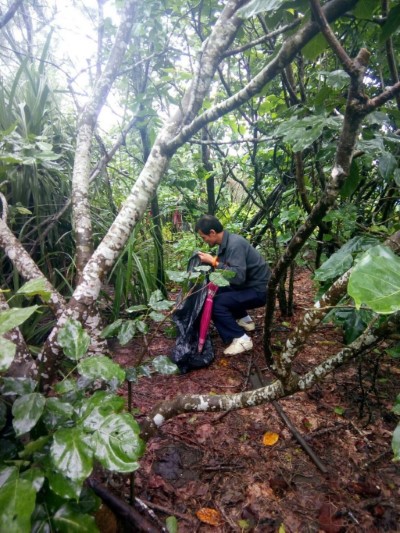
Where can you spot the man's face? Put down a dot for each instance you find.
(210, 239)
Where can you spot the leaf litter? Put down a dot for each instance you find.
(220, 463)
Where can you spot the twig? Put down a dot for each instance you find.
(257, 381)
(165, 510)
(144, 507)
(134, 519)
(324, 431)
(376, 459)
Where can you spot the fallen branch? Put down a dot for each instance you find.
(188, 403)
(134, 520)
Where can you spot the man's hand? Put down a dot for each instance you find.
(206, 258)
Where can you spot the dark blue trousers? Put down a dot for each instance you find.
(232, 304)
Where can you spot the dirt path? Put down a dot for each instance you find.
(219, 461)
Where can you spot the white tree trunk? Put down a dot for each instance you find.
(81, 219)
(144, 188)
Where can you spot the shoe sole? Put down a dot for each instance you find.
(249, 326)
(242, 351)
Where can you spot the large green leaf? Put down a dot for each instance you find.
(57, 413)
(163, 365)
(117, 444)
(364, 8)
(178, 276)
(254, 7)
(17, 386)
(73, 339)
(17, 502)
(158, 303)
(315, 47)
(302, 132)
(26, 411)
(387, 165)
(35, 287)
(63, 486)
(358, 244)
(396, 443)
(112, 329)
(339, 262)
(7, 353)
(11, 318)
(96, 408)
(375, 281)
(136, 308)
(353, 326)
(68, 520)
(392, 23)
(101, 367)
(352, 180)
(219, 279)
(7, 474)
(334, 267)
(3, 414)
(157, 317)
(35, 477)
(127, 332)
(72, 454)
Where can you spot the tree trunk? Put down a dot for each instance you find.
(145, 186)
(81, 219)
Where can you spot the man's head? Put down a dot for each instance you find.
(210, 229)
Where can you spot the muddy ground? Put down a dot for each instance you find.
(219, 462)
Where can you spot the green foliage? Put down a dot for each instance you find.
(342, 260)
(35, 287)
(164, 366)
(133, 276)
(53, 443)
(300, 133)
(172, 524)
(17, 500)
(35, 162)
(74, 340)
(9, 319)
(125, 330)
(375, 281)
(254, 7)
(392, 23)
(396, 433)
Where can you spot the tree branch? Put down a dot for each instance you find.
(286, 54)
(313, 317)
(207, 403)
(10, 13)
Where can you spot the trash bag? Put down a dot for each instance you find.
(187, 319)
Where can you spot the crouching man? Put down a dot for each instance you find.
(247, 289)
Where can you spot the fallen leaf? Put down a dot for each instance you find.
(269, 438)
(329, 518)
(223, 362)
(279, 485)
(365, 489)
(209, 516)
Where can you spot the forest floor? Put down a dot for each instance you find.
(218, 461)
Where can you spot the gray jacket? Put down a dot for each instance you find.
(238, 255)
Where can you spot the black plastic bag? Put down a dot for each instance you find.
(187, 319)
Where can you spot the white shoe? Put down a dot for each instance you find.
(247, 326)
(239, 346)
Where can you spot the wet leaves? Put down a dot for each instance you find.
(330, 519)
(259, 487)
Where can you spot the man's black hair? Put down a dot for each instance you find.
(208, 222)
